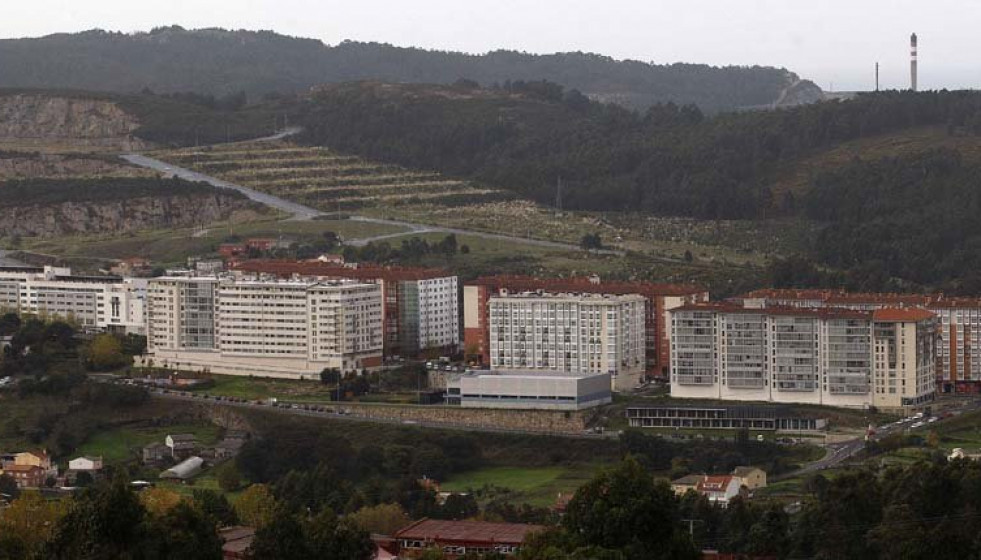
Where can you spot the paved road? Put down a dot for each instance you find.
(301, 212)
(298, 211)
(351, 417)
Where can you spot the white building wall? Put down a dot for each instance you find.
(439, 313)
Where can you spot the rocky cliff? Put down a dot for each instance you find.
(46, 165)
(123, 216)
(42, 118)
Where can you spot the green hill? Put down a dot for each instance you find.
(222, 62)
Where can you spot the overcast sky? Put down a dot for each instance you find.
(833, 42)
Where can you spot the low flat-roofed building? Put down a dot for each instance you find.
(545, 390)
(456, 539)
(760, 418)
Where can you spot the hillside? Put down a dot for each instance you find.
(220, 62)
(52, 207)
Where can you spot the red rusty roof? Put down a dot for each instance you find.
(585, 284)
(467, 531)
(898, 315)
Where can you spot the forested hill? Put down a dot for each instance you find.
(883, 204)
(220, 62)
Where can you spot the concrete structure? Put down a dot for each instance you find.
(95, 302)
(421, 311)
(750, 417)
(658, 300)
(275, 328)
(958, 362)
(912, 62)
(578, 333)
(828, 356)
(184, 470)
(456, 539)
(545, 390)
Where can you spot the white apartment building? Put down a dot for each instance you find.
(271, 328)
(578, 333)
(833, 357)
(94, 302)
(436, 304)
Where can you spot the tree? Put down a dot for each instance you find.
(182, 532)
(158, 501)
(8, 486)
(105, 521)
(329, 538)
(256, 506)
(459, 506)
(382, 519)
(625, 509)
(229, 478)
(688, 256)
(280, 538)
(591, 241)
(215, 506)
(105, 353)
(31, 520)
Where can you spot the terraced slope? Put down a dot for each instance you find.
(328, 180)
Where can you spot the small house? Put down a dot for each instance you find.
(752, 477)
(690, 482)
(155, 453)
(181, 446)
(87, 464)
(26, 476)
(719, 489)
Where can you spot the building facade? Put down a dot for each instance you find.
(421, 306)
(264, 327)
(106, 303)
(577, 333)
(835, 357)
(658, 300)
(958, 355)
(529, 390)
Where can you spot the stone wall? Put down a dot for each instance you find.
(555, 421)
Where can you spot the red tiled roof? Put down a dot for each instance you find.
(898, 315)
(839, 297)
(585, 284)
(467, 531)
(714, 483)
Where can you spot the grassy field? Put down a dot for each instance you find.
(173, 247)
(120, 444)
(535, 486)
(254, 388)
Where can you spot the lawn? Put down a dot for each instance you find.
(121, 444)
(537, 486)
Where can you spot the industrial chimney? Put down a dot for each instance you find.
(912, 62)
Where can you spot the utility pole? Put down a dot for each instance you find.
(876, 76)
(558, 194)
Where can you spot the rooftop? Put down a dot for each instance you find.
(585, 284)
(330, 269)
(467, 531)
(820, 312)
(901, 315)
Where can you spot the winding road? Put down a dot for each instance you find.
(301, 212)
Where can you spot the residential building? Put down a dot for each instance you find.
(578, 333)
(421, 306)
(155, 452)
(88, 464)
(95, 302)
(755, 418)
(269, 327)
(686, 483)
(750, 477)
(658, 300)
(829, 356)
(456, 539)
(236, 542)
(181, 446)
(958, 356)
(26, 476)
(719, 489)
(543, 390)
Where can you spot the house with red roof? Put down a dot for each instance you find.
(456, 539)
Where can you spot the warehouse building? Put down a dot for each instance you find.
(755, 418)
(275, 328)
(827, 356)
(421, 306)
(542, 390)
(658, 300)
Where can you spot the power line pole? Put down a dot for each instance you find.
(558, 194)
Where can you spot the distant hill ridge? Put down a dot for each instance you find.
(219, 62)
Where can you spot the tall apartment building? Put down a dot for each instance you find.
(421, 311)
(94, 302)
(958, 363)
(577, 333)
(264, 327)
(836, 357)
(658, 300)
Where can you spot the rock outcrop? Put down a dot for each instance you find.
(43, 165)
(48, 119)
(122, 216)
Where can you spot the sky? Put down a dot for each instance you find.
(835, 43)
